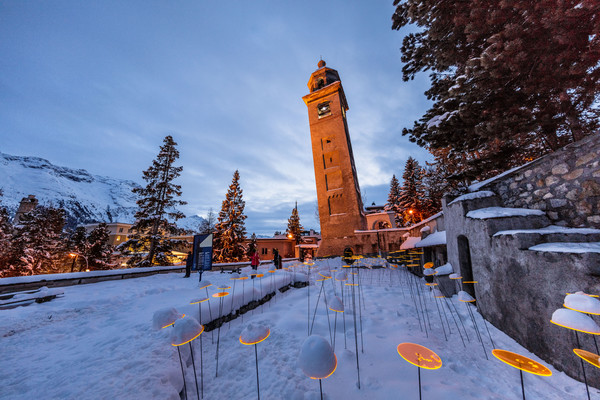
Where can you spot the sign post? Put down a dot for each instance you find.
(202, 253)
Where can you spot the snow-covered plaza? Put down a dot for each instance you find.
(97, 342)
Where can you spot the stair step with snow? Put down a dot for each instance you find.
(504, 218)
(476, 200)
(523, 239)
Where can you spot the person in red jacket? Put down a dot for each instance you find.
(254, 261)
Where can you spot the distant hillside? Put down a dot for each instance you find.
(85, 197)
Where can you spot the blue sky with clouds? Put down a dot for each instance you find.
(98, 85)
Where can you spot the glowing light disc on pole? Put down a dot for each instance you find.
(521, 362)
(419, 355)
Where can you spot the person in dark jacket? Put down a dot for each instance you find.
(188, 264)
(276, 259)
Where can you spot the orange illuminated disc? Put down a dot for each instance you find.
(254, 334)
(428, 265)
(272, 272)
(351, 284)
(205, 285)
(470, 282)
(260, 275)
(590, 357)
(224, 287)
(412, 265)
(521, 362)
(431, 284)
(419, 355)
(196, 301)
(243, 278)
(220, 294)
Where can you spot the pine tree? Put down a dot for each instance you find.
(510, 80)
(230, 231)
(252, 246)
(38, 241)
(411, 193)
(6, 230)
(150, 243)
(294, 228)
(100, 251)
(393, 203)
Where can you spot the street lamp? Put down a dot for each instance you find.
(412, 217)
(75, 254)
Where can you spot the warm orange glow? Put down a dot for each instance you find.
(351, 284)
(187, 341)
(199, 301)
(581, 311)
(205, 286)
(73, 254)
(428, 265)
(419, 355)
(259, 339)
(470, 282)
(220, 294)
(243, 278)
(467, 301)
(182, 315)
(410, 211)
(260, 275)
(334, 368)
(585, 294)
(588, 356)
(412, 265)
(224, 287)
(431, 284)
(573, 329)
(521, 362)
(458, 277)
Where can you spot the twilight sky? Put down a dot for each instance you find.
(98, 85)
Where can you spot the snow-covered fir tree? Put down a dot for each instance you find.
(100, 249)
(230, 230)
(93, 247)
(6, 230)
(151, 242)
(412, 193)
(393, 203)
(38, 242)
(294, 228)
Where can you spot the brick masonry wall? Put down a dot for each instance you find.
(564, 184)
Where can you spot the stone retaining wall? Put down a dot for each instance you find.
(565, 184)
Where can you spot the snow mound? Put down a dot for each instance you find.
(564, 247)
(429, 272)
(336, 304)
(465, 297)
(574, 320)
(254, 333)
(435, 239)
(165, 317)
(502, 212)
(582, 303)
(455, 276)
(185, 330)
(445, 269)
(317, 359)
(474, 195)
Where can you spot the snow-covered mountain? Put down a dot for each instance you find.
(85, 197)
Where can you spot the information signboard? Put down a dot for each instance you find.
(203, 252)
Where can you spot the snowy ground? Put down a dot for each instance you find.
(97, 342)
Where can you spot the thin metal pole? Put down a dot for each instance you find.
(201, 369)
(583, 368)
(522, 386)
(419, 369)
(355, 332)
(182, 373)
(212, 333)
(257, 383)
(194, 365)
(321, 388)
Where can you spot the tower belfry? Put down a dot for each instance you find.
(338, 194)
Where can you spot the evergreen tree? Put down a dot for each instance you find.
(100, 249)
(252, 246)
(510, 80)
(412, 193)
(208, 224)
(393, 203)
(6, 230)
(78, 245)
(150, 244)
(294, 228)
(38, 242)
(230, 231)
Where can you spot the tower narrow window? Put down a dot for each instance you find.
(323, 109)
